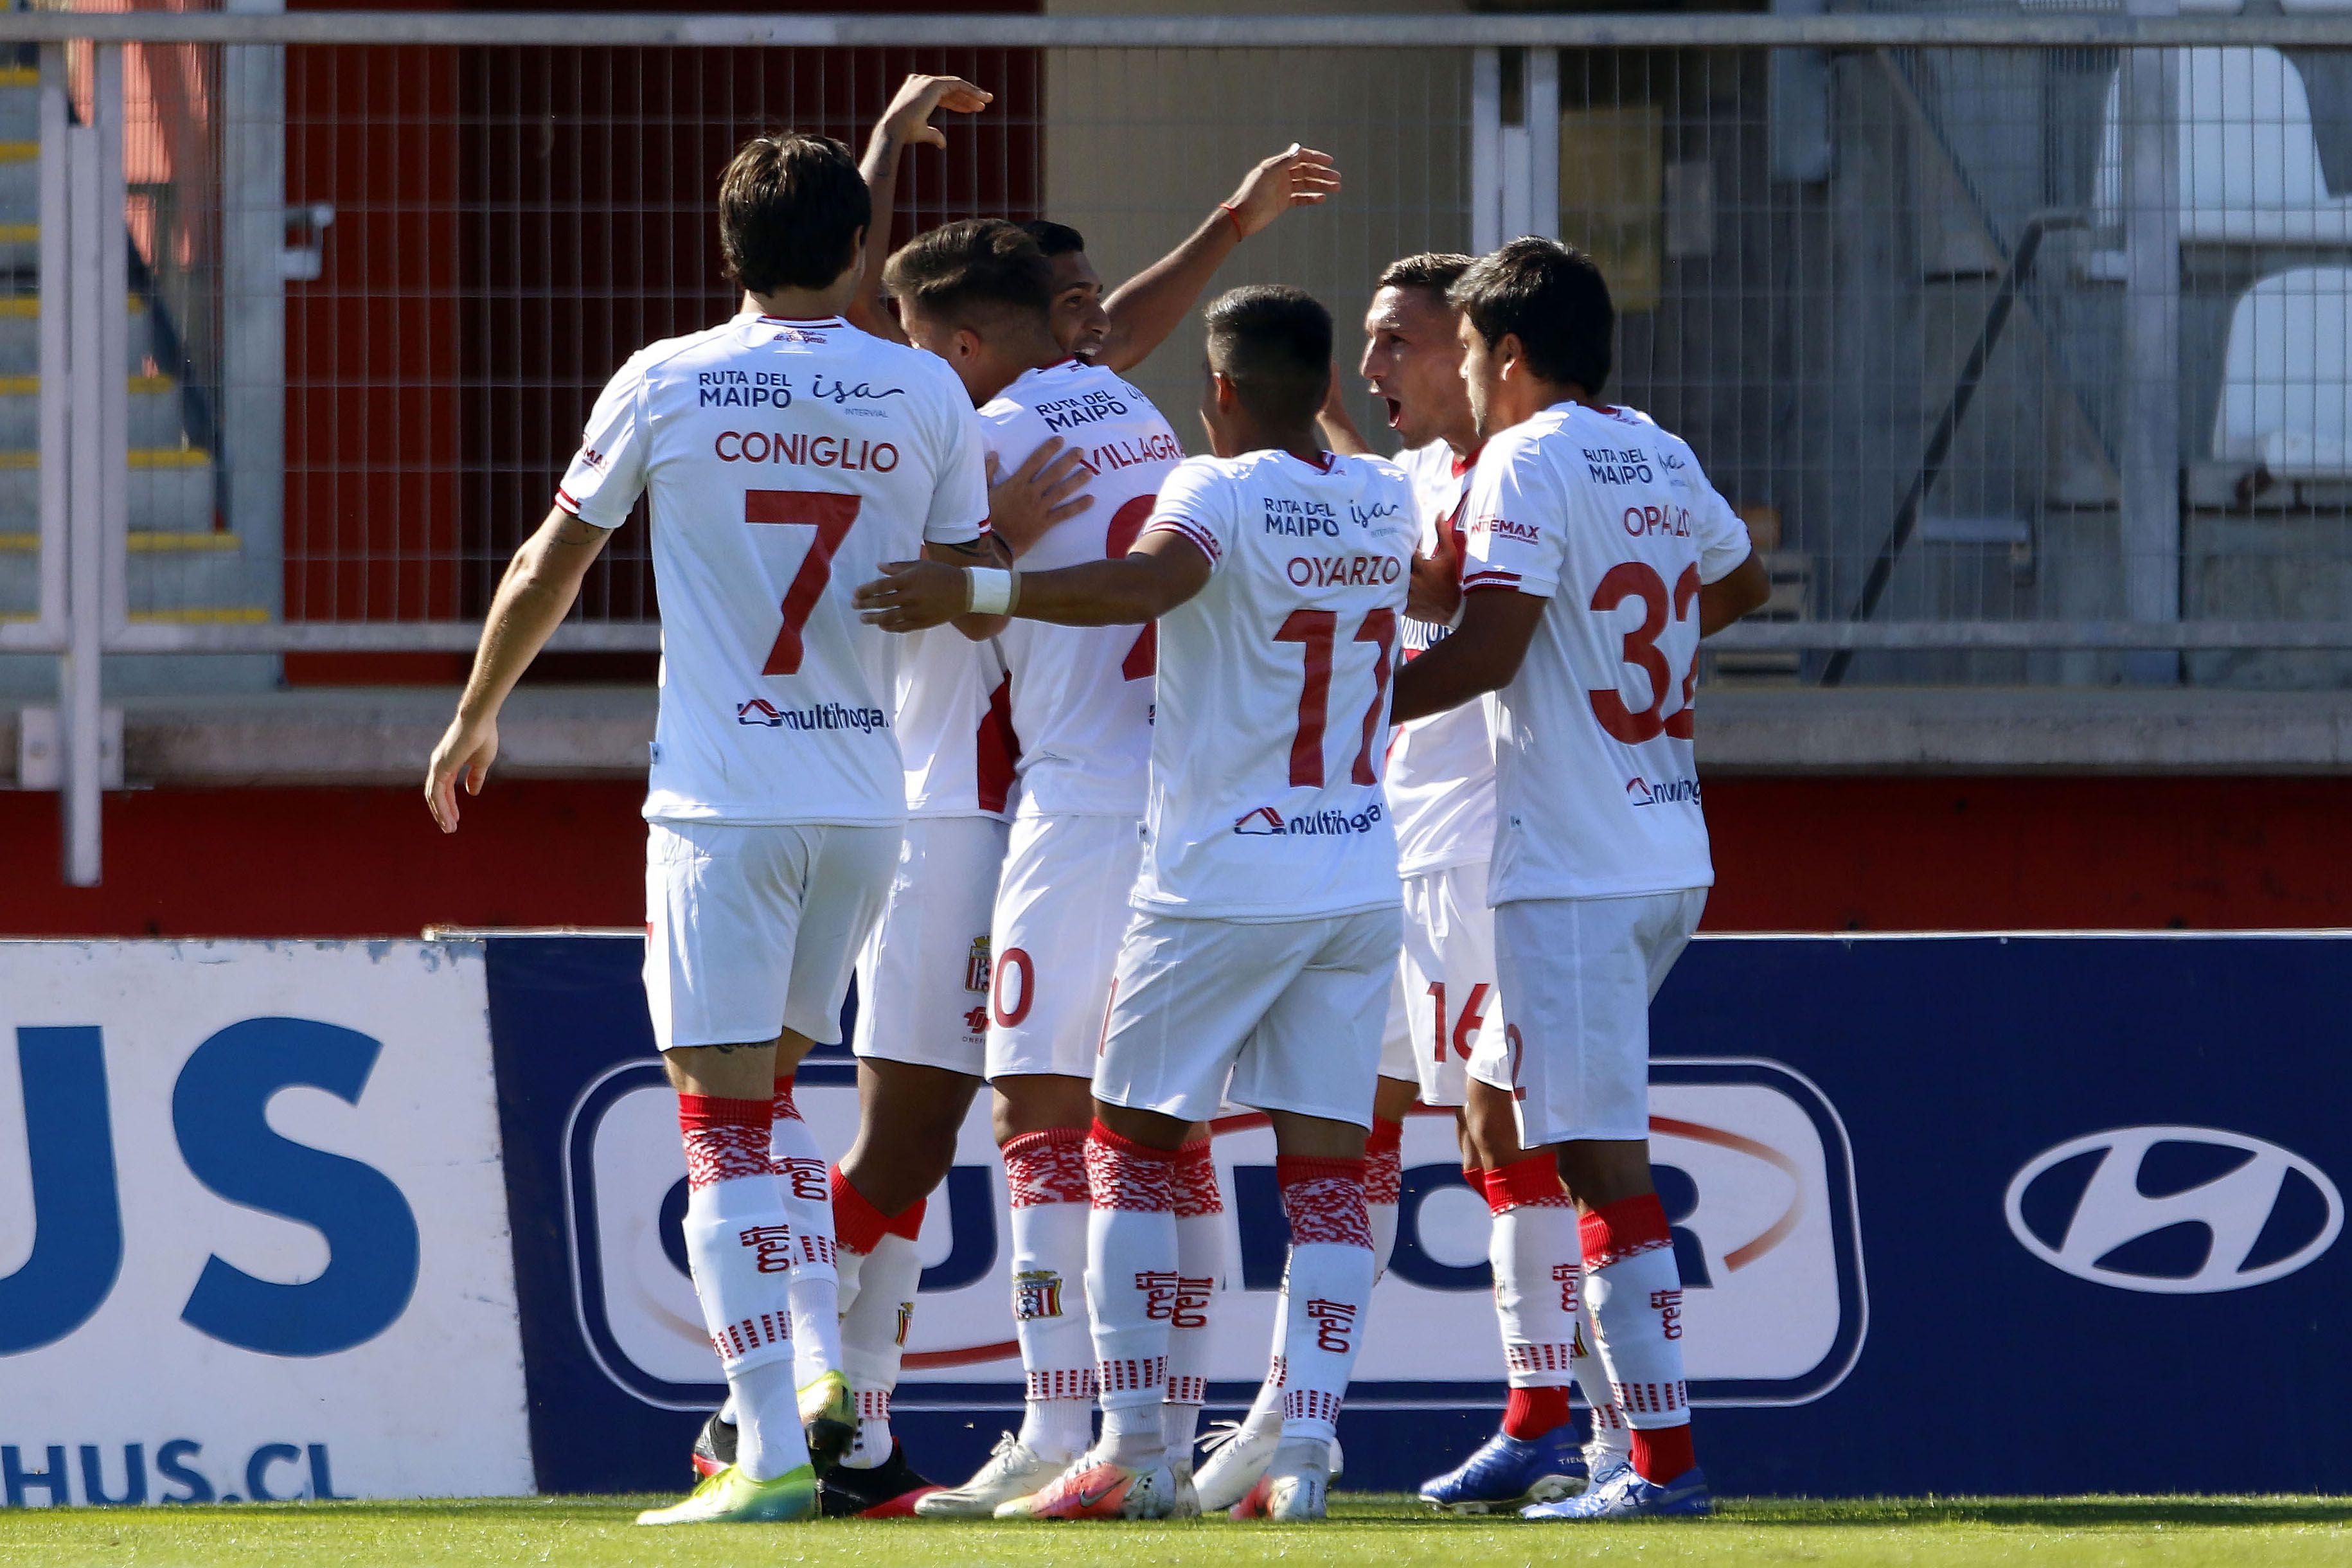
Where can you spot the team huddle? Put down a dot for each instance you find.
(1140, 789)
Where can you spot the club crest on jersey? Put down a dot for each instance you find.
(1036, 1293)
(976, 967)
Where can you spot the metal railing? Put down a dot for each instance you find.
(2023, 339)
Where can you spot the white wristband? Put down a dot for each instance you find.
(989, 590)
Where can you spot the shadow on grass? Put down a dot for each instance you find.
(2063, 1513)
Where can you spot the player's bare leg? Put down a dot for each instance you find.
(1238, 1452)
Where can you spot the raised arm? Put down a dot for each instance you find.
(1146, 308)
(533, 597)
(1161, 572)
(1339, 432)
(905, 121)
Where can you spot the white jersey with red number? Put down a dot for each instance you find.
(1608, 516)
(1268, 751)
(1441, 767)
(1082, 695)
(955, 725)
(784, 460)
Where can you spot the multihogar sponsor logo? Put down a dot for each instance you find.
(759, 711)
(1267, 823)
(1639, 791)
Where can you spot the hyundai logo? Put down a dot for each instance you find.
(2173, 1210)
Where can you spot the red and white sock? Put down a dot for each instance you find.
(738, 1245)
(1200, 1274)
(808, 1203)
(1637, 1304)
(1610, 1433)
(877, 1251)
(1330, 1285)
(1132, 1283)
(1264, 1418)
(1538, 1280)
(1045, 1174)
(1383, 1188)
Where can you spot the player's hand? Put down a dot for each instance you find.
(463, 757)
(1298, 178)
(1435, 591)
(1043, 491)
(913, 595)
(907, 119)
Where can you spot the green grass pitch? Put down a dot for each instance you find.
(1367, 1532)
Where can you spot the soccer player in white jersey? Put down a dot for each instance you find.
(1440, 785)
(1259, 959)
(784, 454)
(922, 975)
(978, 294)
(1596, 557)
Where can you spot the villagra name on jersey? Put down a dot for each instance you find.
(805, 451)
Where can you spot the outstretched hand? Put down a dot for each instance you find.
(907, 119)
(1298, 178)
(463, 757)
(913, 595)
(1043, 491)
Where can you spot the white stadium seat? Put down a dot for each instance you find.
(2287, 381)
(2250, 170)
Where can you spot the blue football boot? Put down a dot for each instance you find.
(1510, 1472)
(1626, 1495)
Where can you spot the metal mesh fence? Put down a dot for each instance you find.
(2027, 362)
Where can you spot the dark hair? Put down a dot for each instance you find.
(1054, 239)
(962, 270)
(790, 209)
(1553, 299)
(1274, 343)
(1435, 270)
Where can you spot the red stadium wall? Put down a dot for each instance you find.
(1793, 853)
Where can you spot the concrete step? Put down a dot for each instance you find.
(201, 577)
(20, 336)
(171, 490)
(20, 103)
(155, 414)
(20, 181)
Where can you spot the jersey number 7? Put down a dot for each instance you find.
(831, 515)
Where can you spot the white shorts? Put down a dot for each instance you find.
(922, 978)
(1289, 1011)
(753, 930)
(1446, 1003)
(1060, 907)
(1580, 974)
